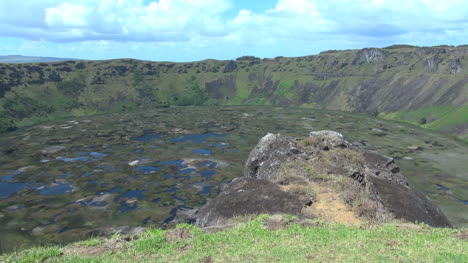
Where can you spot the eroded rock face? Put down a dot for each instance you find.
(455, 66)
(271, 152)
(324, 153)
(369, 55)
(246, 196)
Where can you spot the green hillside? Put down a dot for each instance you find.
(256, 241)
(425, 85)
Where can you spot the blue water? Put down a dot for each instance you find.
(171, 189)
(186, 171)
(207, 173)
(443, 188)
(138, 194)
(59, 189)
(86, 174)
(147, 169)
(18, 207)
(9, 177)
(178, 163)
(8, 189)
(115, 190)
(201, 151)
(76, 159)
(197, 138)
(206, 189)
(218, 145)
(125, 207)
(147, 137)
(97, 155)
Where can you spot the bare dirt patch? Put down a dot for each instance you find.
(330, 207)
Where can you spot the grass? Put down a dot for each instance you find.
(443, 118)
(253, 242)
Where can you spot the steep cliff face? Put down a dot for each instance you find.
(394, 79)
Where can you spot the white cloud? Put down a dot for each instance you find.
(66, 14)
(120, 20)
(200, 28)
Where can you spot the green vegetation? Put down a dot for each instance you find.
(443, 118)
(398, 46)
(311, 241)
(337, 80)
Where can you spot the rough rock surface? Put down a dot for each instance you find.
(369, 55)
(270, 153)
(328, 154)
(246, 196)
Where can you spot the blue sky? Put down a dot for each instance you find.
(188, 30)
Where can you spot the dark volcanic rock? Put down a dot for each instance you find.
(230, 66)
(328, 154)
(246, 196)
(270, 153)
(406, 203)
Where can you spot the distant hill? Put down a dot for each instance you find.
(427, 86)
(31, 59)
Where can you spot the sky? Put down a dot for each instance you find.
(190, 30)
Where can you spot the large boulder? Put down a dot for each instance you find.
(247, 196)
(330, 155)
(271, 152)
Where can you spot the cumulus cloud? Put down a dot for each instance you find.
(209, 26)
(120, 20)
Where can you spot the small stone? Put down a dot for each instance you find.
(276, 222)
(413, 148)
(176, 235)
(52, 149)
(133, 163)
(24, 169)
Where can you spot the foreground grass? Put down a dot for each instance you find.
(253, 242)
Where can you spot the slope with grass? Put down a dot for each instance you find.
(417, 84)
(252, 241)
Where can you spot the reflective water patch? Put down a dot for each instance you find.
(147, 169)
(197, 138)
(201, 151)
(72, 160)
(147, 137)
(56, 189)
(8, 189)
